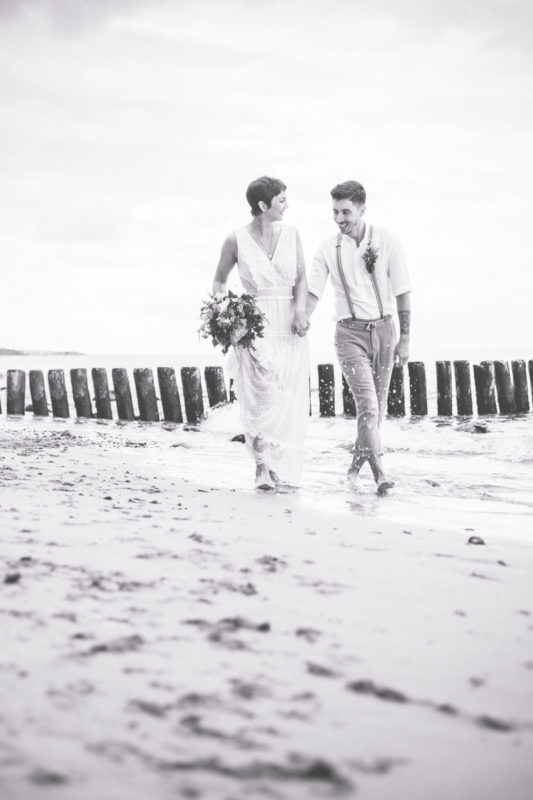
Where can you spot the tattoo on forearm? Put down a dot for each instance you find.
(405, 321)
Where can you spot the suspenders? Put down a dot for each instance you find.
(343, 278)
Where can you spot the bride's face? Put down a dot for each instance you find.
(277, 208)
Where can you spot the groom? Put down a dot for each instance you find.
(370, 281)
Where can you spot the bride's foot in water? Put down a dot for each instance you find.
(284, 487)
(263, 479)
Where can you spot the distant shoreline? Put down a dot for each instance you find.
(5, 351)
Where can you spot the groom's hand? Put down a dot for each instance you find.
(300, 323)
(401, 351)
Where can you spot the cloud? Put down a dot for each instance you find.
(495, 20)
(131, 129)
(68, 16)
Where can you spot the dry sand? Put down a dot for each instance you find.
(162, 639)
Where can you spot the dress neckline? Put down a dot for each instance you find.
(271, 257)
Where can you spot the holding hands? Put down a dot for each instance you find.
(300, 322)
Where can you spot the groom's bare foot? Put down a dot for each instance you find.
(355, 467)
(383, 484)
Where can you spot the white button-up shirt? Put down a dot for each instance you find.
(390, 273)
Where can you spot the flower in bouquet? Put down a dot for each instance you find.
(231, 319)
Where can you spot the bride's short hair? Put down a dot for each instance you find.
(349, 190)
(265, 189)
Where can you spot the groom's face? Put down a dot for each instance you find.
(348, 216)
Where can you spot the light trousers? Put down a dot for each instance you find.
(365, 349)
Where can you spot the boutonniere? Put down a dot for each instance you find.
(370, 256)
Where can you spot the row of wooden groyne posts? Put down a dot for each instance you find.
(500, 387)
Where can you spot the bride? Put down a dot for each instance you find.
(272, 379)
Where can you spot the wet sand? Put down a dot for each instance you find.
(166, 638)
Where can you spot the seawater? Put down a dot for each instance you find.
(471, 473)
(474, 476)
(461, 472)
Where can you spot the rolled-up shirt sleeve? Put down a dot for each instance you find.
(398, 273)
(318, 274)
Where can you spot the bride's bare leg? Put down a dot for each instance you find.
(263, 477)
(274, 477)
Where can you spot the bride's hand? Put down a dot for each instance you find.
(300, 323)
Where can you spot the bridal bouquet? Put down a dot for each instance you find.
(231, 319)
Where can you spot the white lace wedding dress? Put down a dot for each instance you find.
(272, 381)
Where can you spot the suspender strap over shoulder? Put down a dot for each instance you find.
(373, 277)
(343, 279)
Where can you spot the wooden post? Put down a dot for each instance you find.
(215, 385)
(192, 394)
(121, 385)
(485, 381)
(101, 393)
(444, 389)
(80, 392)
(521, 396)
(348, 402)
(396, 396)
(38, 393)
(326, 390)
(504, 388)
(170, 398)
(231, 392)
(418, 388)
(530, 368)
(463, 388)
(144, 384)
(16, 391)
(58, 393)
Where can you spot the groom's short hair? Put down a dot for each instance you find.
(349, 190)
(263, 188)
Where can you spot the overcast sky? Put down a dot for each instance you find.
(130, 129)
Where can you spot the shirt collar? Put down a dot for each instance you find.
(364, 240)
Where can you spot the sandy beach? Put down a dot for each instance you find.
(170, 636)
